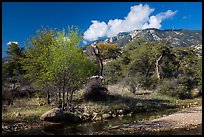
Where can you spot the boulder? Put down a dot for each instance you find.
(195, 92)
(73, 118)
(53, 115)
(106, 116)
(113, 115)
(121, 116)
(130, 114)
(120, 111)
(97, 118)
(139, 104)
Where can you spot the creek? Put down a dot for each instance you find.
(91, 128)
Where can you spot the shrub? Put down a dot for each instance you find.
(183, 92)
(131, 83)
(95, 91)
(112, 72)
(167, 87)
(178, 88)
(7, 96)
(147, 82)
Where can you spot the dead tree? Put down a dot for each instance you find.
(97, 54)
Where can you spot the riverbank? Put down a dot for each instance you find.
(24, 114)
(188, 118)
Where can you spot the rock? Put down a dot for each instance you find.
(81, 117)
(98, 118)
(106, 116)
(195, 92)
(110, 112)
(86, 114)
(196, 103)
(121, 116)
(70, 117)
(130, 114)
(53, 115)
(139, 104)
(119, 111)
(94, 115)
(113, 115)
(18, 114)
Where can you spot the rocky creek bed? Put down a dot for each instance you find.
(190, 119)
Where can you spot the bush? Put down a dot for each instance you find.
(182, 92)
(147, 82)
(95, 91)
(112, 72)
(178, 88)
(7, 96)
(131, 83)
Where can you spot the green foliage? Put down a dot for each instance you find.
(55, 60)
(199, 74)
(108, 51)
(11, 66)
(179, 88)
(138, 67)
(140, 60)
(147, 82)
(38, 56)
(133, 44)
(70, 66)
(112, 71)
(38, 95)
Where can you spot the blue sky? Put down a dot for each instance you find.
(20, 20)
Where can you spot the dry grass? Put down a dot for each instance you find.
(121, 98)
(25, 110)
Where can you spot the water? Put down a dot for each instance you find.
(89, 128)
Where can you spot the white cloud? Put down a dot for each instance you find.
(10, 42)
(155, 21)
(137, 18)
(96, 30)
(186, 17)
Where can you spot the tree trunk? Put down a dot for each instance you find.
(158, 67)
(70, 99)
(48, 98)
(67, 97)
(59, 96)
(63, 92)
(63, 100)
(101, 66)
(147, 72)
(99, 60)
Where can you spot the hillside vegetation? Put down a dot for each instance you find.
(53, 71)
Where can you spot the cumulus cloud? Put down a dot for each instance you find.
(96, 30)
(138, 18)
(10, 42)
(155, 21)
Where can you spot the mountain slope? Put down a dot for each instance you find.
(177, 37)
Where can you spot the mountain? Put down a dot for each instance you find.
(177, 37)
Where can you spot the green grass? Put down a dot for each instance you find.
(179, 102)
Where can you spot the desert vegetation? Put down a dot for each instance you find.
(54, 72)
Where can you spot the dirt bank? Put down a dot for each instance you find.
(187, 118)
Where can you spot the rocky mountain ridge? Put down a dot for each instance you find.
(180, 37)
